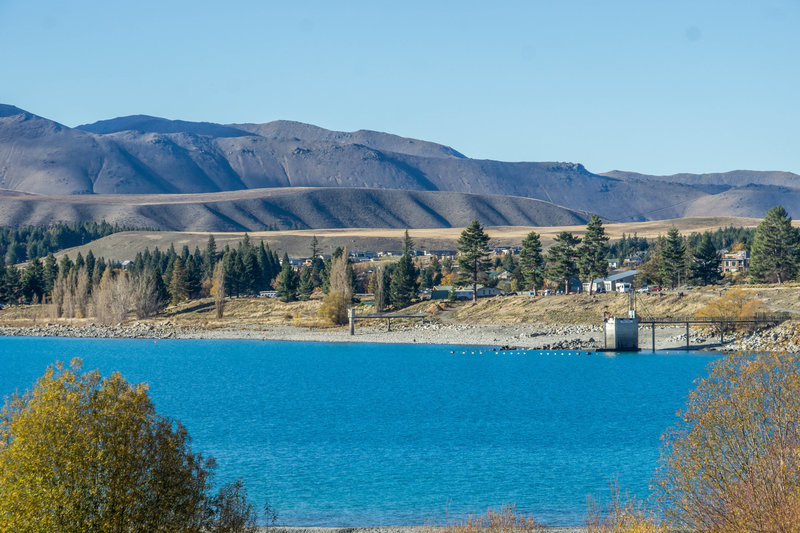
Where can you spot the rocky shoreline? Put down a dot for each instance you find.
(530, 337)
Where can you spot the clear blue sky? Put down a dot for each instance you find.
(653, 87)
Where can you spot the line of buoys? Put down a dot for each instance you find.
(542, 352)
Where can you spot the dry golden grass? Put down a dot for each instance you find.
(125, 245)
(553, 310)
(621, 513)
(505, 519)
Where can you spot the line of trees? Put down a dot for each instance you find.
(18, 245)
(87, 286)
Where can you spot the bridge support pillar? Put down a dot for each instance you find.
(388, 324)
(653, 326)
(722, 332)
(351, 314)
(687, 335)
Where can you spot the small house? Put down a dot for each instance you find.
(735, 261)
(609, 284)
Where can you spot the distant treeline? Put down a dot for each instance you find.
(18, 245)
(722, 238)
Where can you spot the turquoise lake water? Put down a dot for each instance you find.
(358, 434)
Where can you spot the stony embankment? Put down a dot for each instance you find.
(133, 331)
(784, 337)
(523, 336)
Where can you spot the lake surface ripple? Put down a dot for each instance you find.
(365, 434)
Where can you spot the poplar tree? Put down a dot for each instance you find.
(178, 285)
(473, 248)
(773, 253)
(531, 262)
(561, 264)
(593, 251)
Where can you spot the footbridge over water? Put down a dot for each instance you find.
(756, 321)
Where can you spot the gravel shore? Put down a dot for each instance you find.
(530, 337)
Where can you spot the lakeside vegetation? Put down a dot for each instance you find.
(153, 280)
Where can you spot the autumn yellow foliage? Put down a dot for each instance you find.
(80, 452)
(732, 463)
(734, 304)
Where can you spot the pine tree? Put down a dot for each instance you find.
(210, 258)
(160, 291)
(473, 248)
(50, 272)
(705, 262)
(287, 281)
(90, 261)
(193, 277)
(773, 254)
(305, 286)
(531, 262)
(561, 264)
(673, 258)
(403, 287)
(593, 251)
(252, 279)
(232, 275)
(33, 281)
(11, 287)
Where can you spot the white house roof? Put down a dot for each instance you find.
(618, 276)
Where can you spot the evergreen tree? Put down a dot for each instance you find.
(160, 291)
(65, 265)
(592, 252)
(193, 278)
(317, 264)
(231, 273)
(287, 281)
(403, 287)
(473, 248)
(773, 253)
(90, 261)
(705, 262)
(210, 258)
(252, 277)
(305, 286)
(531, 262)
(33, 281)
(408, 244)
(50, 272)
(673, 258)
(561, 264)
(11, 289)
(178, 286)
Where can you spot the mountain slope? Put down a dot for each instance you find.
(734, 178)
(141, 154)
(254, 210)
